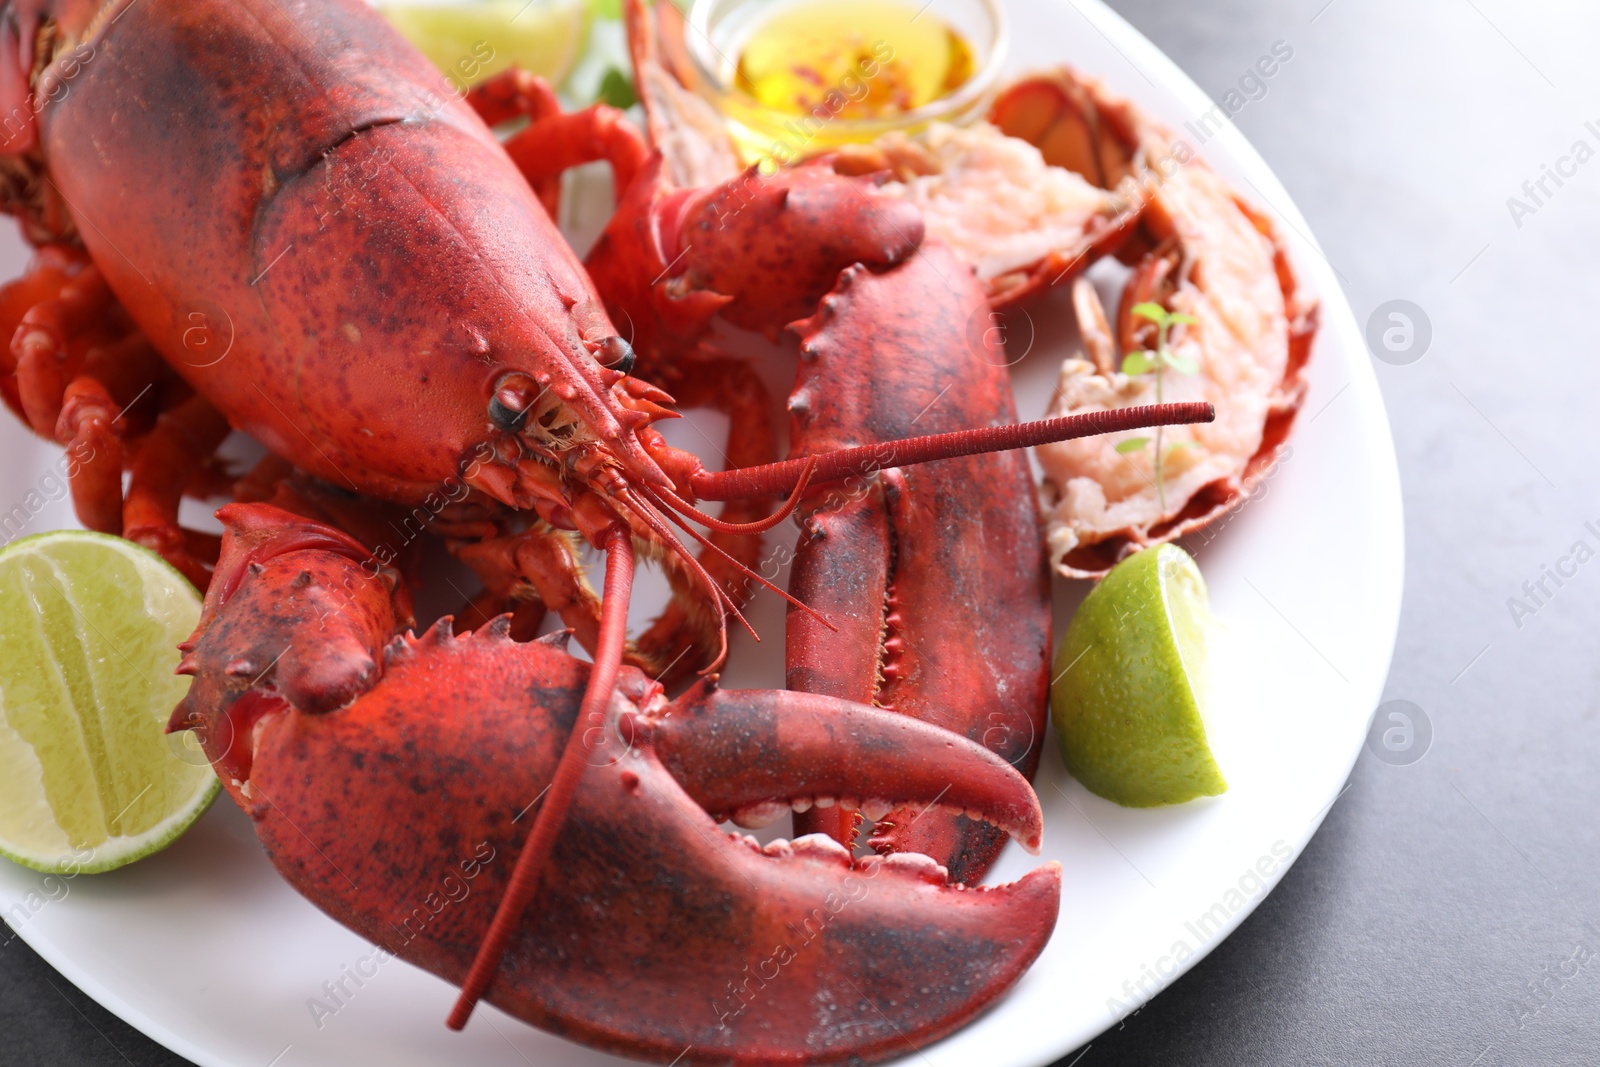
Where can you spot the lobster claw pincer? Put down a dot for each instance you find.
(653, 933)
(666, 934)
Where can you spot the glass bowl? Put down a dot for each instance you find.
(718, 31)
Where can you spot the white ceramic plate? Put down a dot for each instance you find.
(209, 952)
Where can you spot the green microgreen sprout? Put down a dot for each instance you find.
(1157, 361)
(617, 90)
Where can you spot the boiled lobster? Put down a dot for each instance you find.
(332, 256)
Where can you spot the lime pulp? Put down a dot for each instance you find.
(89, 628)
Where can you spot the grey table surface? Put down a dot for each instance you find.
(1448, 909)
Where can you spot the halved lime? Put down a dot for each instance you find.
(89, 629)
(1129, 684)
(470, 40)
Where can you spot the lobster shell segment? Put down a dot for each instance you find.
(657, 935)
(294, 180)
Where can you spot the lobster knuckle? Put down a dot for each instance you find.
(879, 234)
(774, 246)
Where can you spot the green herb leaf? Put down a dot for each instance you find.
(1132, 444)
(1183, 364)
(608, 9)
(1154, 312)
(1183, 444)
(1137, 363)
(1178, 316)
(617, 90)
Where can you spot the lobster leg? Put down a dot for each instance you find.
(260, 482)
(40, 345)
(71, 390)
(50, 270)
(732, 388)
(169, 458)
(555, 141)
(539, 564)
(93, 405)
(94, 451)
(511, 94)
(71, 398)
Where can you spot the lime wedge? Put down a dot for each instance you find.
(471, 40)
(89, 628)
(1129, 684)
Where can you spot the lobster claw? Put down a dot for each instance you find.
(653, 933)
(659, 936)
(797, 944)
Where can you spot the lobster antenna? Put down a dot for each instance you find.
(744, 570)
(720, 597)
(672, 502)
(535, 854)
(774, 479)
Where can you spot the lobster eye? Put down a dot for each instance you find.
(616, 354)
(513, 397)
